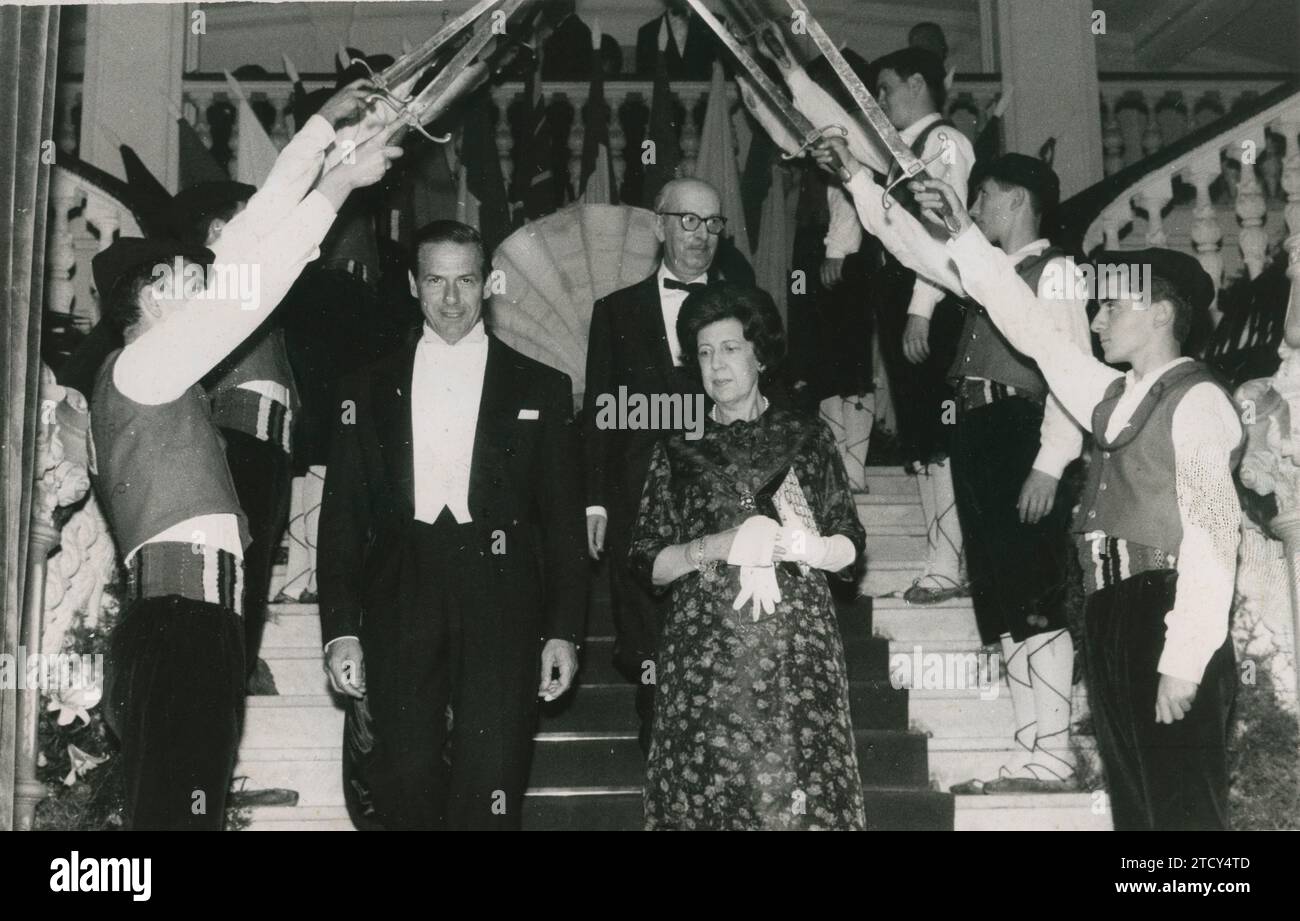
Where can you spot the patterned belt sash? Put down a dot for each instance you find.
(195, 571)
(975, 392)
(252, 412)
(1107, 561)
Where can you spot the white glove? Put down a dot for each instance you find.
(795, 544)
(754, 542)
(758, 583)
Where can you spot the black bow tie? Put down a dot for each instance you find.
(672, 284)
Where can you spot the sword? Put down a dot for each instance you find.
(804, 130)
(410, 65)
(911, 166)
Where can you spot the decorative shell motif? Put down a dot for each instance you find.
(555, 268)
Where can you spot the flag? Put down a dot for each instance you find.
(717, 165)
(663, 134)
(774, 254)
(480, 168)
(152, 200)
(597, 184)
(256, 152)
(196, 161)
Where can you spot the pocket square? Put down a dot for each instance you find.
(528, 414)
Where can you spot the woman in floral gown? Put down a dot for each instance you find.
(743, 526)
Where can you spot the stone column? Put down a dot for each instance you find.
(1047, 56)
(134, 61)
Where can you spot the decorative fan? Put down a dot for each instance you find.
(555, 268)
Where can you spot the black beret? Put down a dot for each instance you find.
(126, 254)
(1027, 172)
(1182, 271)
(204, 199)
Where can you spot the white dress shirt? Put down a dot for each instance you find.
(1205, 431)
(446, 388)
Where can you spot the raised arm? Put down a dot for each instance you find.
(253, 269)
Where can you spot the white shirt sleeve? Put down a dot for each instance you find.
(782, 136)
(597, 510)
(1060, 437)
(292, 175)
(164, 362)
(820, 108)
(903, 235)
(1075, 378)
(844, 236)
(1205, 431)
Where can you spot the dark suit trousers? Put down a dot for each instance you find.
(1018, 572)
(1160, 777)
(920, 393)
(451, 688)
(174, 697)
(262, 483)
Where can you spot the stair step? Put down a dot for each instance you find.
(300, 818)
(952, 620)
(297, 670)
(883, 577)
(962, 714)
(889, 509)
(292, 721)
(895, 547)
(956, 760)
(1033, 812)
(291, 624)
(563, 760)
(596, 708)
(892, 481)
(886, 810)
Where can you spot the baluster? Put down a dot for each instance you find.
(1113, 220)
(1270, 165)
(1153, 197)
(1209, 108)
(1172, 117)
(1251, 209)
(1290, 178)
(617, 141)
(1152, 137)
(1207, 235)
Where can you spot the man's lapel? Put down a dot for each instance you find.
(491, 433)
(392, 399)
(653, 332)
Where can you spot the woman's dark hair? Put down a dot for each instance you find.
(752, 307)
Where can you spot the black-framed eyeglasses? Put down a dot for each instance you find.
(691, 221)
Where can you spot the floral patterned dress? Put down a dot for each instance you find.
(751, 727)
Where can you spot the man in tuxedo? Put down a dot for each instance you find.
(451, 558)
(689, 47)
(633, 344)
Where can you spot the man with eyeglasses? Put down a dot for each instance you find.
(633, 343)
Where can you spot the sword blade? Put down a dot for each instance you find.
(909, 162)
(799, 125)
(426, 105)
(408, 65)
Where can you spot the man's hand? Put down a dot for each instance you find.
(1037, 497)
(561, 656)
(365, 165)
(832, 272)
(346, 666)
(916, 339)
(833, 155)
(596, 535)
(347, 103)
(1174, 698)
(940, 205)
